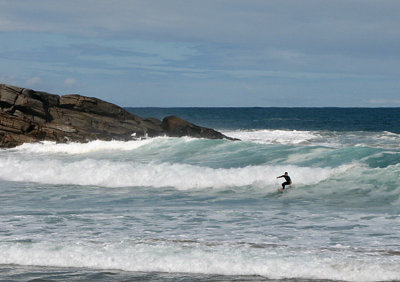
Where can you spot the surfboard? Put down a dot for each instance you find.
(280, 189)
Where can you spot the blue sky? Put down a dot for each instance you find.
(168, 53)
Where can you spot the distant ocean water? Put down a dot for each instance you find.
(167, 209)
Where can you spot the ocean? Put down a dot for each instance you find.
(185, 209)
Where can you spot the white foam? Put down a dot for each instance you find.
(225, 259)
(266, 136)
(384, 139)
(181, 176)
(73, 148)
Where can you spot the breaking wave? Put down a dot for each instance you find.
(192, 164)
(206, 258)
(384, 139)
(181, 176)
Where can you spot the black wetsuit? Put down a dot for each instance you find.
(288, 181)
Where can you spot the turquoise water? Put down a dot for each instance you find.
(167, 209)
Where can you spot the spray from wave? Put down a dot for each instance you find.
(180, 176)
(275, 136)
(212, 258)
(384, 139)
(192, 164)
(49, 147)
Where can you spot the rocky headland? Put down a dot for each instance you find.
(32, 116)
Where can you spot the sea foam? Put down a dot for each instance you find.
(266, 136)
(74, 148)
(335, 139)
(186, 257)
(109, 173)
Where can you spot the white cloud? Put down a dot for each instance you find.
(315, 48)
(33, 81)
(307, 24)
(8, 79)
(383, 101)
(70, 82)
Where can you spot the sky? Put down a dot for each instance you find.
(206, 53)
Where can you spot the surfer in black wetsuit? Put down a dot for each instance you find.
(287, 178)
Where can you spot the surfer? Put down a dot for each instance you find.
(287, 178)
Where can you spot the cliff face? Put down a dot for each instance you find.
(31, 116)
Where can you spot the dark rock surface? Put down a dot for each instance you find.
(31, 116)
(176, 127)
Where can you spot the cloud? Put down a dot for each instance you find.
(33, 81)
(70, 82)
(388, 102)
(314, 48)
(8, 79)
(308, 36)
(314, 26)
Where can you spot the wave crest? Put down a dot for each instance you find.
(180, 176)
(225, 259)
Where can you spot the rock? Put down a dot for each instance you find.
(14, 124)
(50, 100)
(28, 92)
(8, 95)
(30, 105)
(96, 106)
(154, 127)
(176, 127)
(31, 116)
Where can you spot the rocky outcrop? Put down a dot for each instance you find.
(31, 116)
(176, 126)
